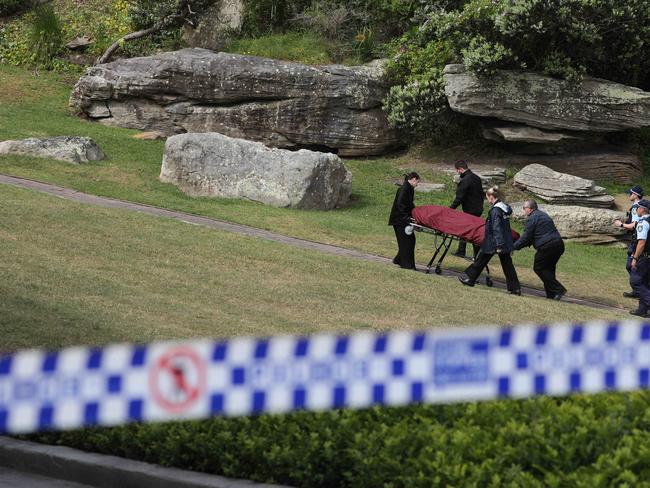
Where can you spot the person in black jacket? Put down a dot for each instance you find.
(469, 194)
(400, 218)
(497, 240)
(540, 231)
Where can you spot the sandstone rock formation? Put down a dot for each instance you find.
(561, 188)
(282, 104)
(72, 149)
(579, 128)
(211, 164)
(547, 103)
(581, 224)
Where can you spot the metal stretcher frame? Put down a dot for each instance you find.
(442, 243)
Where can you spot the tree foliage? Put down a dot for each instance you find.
(155, 17)
(569, 39)
(170, 13)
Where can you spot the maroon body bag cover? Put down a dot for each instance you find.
(453, 222)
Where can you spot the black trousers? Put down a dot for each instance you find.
(640, 280)
(481, 261)
(462, 245)
(406, 248)
(546, 259)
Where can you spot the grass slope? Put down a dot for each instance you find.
(37, 106)
(75, 274)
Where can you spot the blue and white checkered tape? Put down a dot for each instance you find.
(117, 384)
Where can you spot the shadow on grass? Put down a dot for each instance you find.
(38, 322)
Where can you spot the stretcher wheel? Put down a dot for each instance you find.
(437, 269)
(488, 281)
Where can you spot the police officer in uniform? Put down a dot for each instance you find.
(636, 194)
(540, 231)
(400, 218)
(640, 263)
(469, 194)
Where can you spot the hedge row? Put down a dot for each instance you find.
(596, 441)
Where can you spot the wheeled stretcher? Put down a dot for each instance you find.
(447, 225)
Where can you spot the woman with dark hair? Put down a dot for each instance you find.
(497, 240)
(400, 216)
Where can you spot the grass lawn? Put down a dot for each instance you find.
(77, 274)
(37, 106)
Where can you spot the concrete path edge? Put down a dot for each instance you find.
(103, 471)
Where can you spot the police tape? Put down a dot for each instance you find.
(117, 384)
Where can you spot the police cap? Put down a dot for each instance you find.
(644, 203)
(636, 189)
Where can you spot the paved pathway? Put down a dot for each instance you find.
(77, 196)
(10, 478)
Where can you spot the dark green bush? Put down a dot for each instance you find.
(262, 17)
(8, 7)
(595, 441)
(173, 13)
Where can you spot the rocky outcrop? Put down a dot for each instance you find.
(282, 104)
(216, 26)
(561, 188)
(71, 149)
(535, 100)
(579, 128)
(581, 224)
(214, 165)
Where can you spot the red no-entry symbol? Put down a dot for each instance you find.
(177, 379)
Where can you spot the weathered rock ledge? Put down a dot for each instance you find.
(578, 128)
(535, 100)
(281, 104)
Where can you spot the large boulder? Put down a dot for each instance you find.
(561, 188)
(214, 165)
(572, 127)
(72, 149)
(547, 103)
(581, 224)
(282, 104)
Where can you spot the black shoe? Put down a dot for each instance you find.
(639, 313)
(396, 261)
(515, 292)
(458, 254)
(559, 296)
(465, 281)
(631, 294)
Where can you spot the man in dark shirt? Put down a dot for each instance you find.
(540, 231)
(470, 195)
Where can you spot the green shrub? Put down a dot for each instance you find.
(583, 441)
(46, 39)
(263, 17)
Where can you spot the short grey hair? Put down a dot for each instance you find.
(531, 204)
